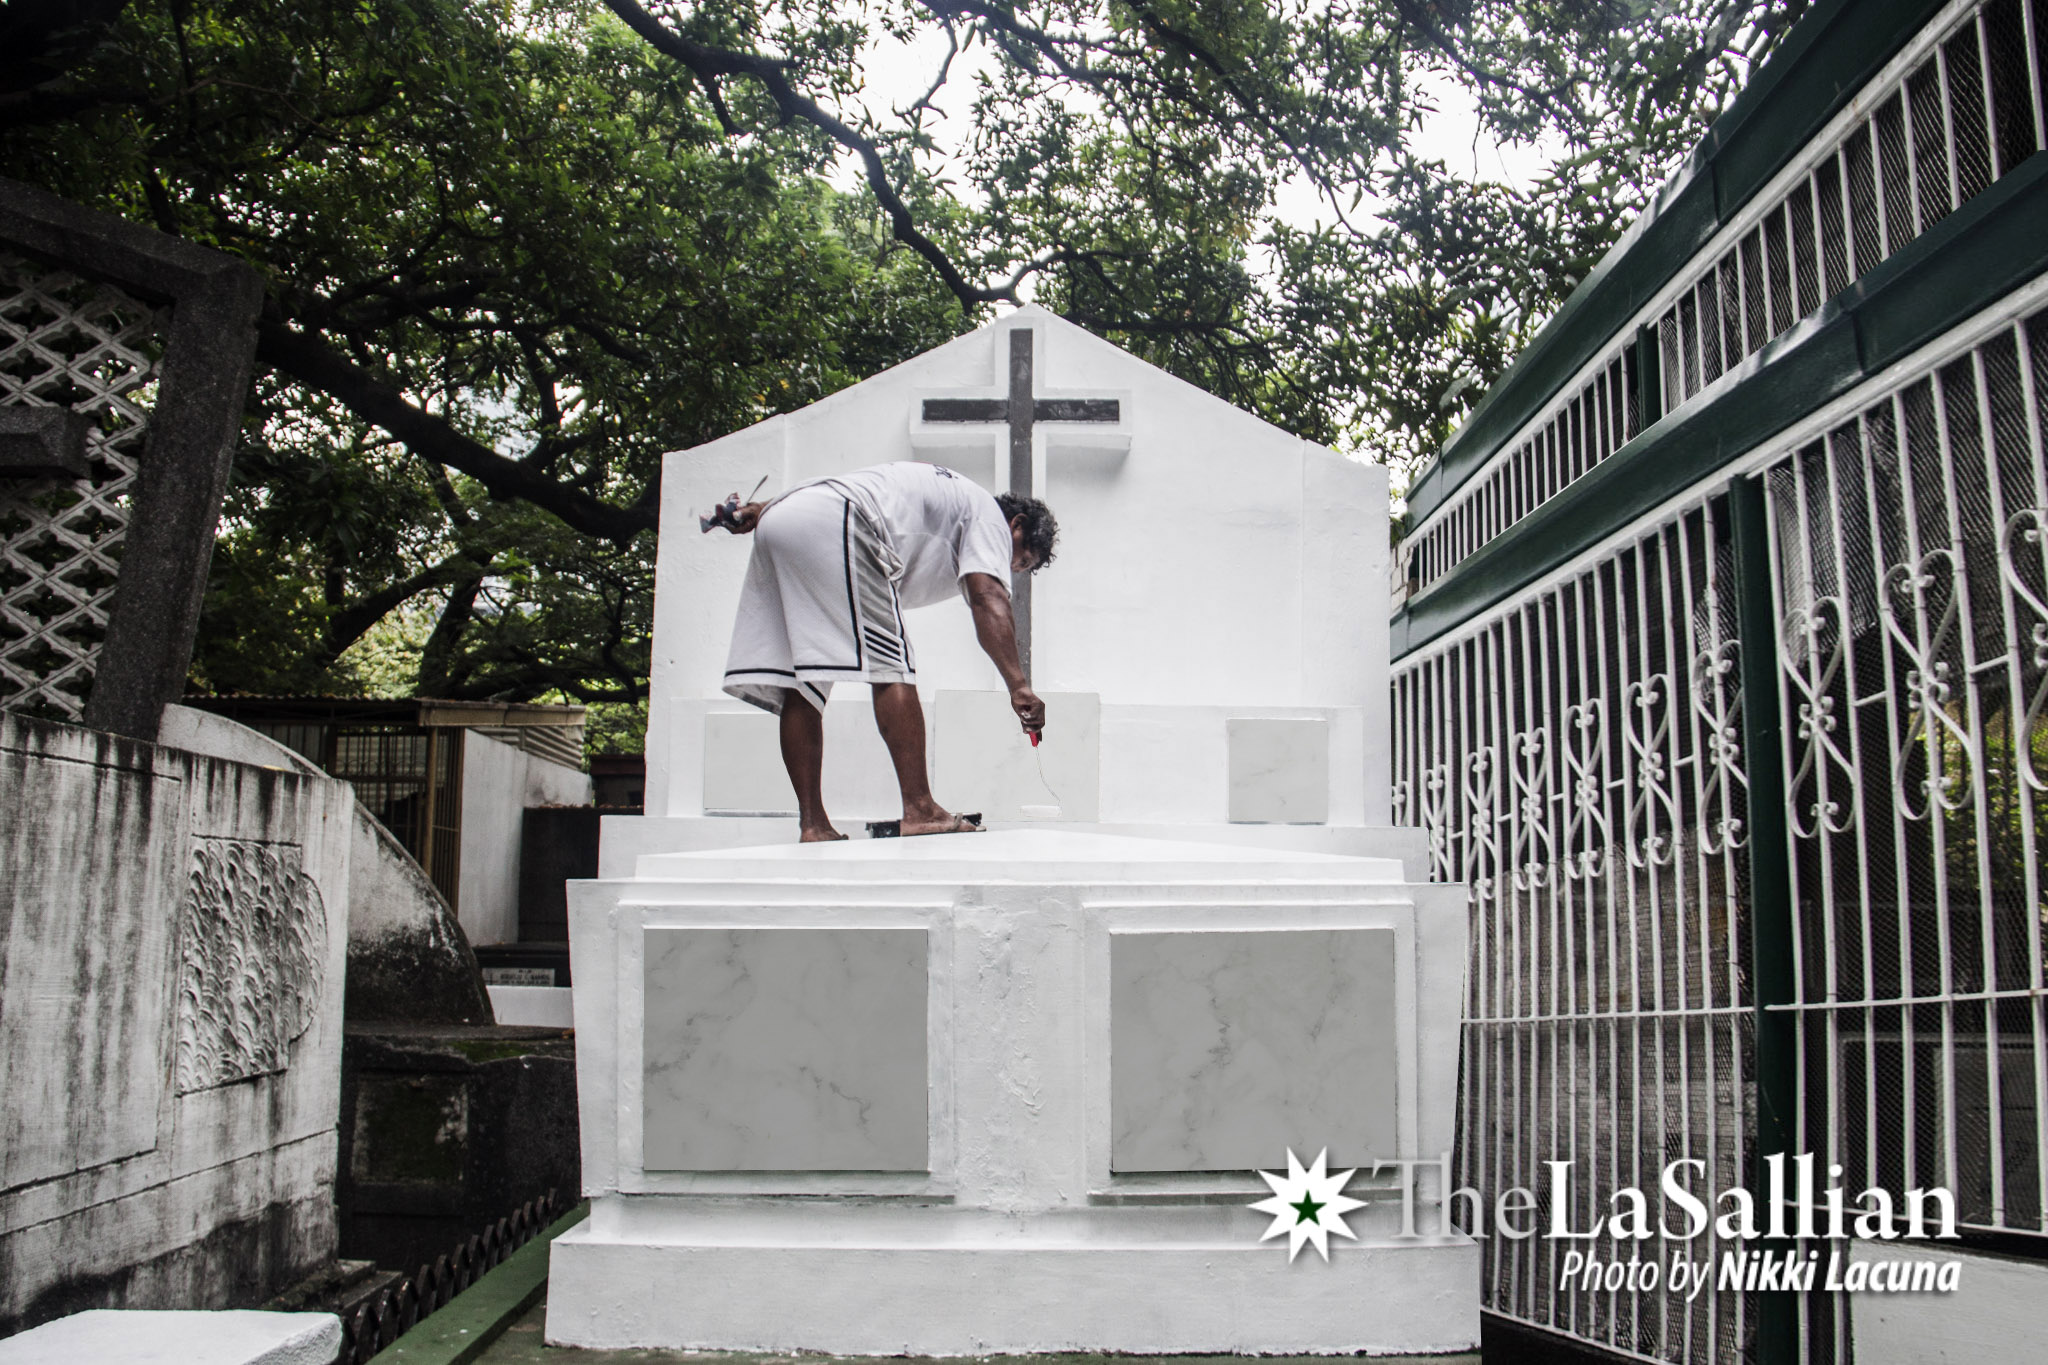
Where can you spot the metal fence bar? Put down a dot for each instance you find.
(1773, 943)
(2030, 787)
(395, 1310)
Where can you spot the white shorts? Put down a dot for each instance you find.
(817, 607)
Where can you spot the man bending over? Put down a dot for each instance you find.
(836, 563)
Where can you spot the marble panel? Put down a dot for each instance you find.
(785, 1050)
(1280, 771)
(1228, 1047)
(743, 772)
(984, 762)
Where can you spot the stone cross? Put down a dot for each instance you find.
(1021, 410)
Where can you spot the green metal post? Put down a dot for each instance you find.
(1770, 885)
(1649, 377)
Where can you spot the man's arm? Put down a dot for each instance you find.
(989, 599)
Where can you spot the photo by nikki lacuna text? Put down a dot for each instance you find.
(1797, 1231)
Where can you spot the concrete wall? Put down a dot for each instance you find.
(173, 938)
(445, 1129)
(1210, 568)
(1990, 1315)
(202, 732)
(407, 957)
(499, 782)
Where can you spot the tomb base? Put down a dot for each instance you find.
(942, 1282)
(1009, 1092)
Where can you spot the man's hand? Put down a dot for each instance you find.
(988, 598)
(737, 519)
(1028, 707)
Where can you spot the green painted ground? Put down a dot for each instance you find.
(522, 1345)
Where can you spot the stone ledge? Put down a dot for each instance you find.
(857, 1298)
(231, 1337)
(524, 1344)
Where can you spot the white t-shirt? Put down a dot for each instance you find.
(942, 525)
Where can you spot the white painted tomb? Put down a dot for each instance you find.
(1008, 1092)
(1212, 571)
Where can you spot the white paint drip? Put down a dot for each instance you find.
(1051, 812)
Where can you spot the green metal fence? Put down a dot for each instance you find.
(1723, 678)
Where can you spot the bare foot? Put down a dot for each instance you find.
(824, 834)
(938, 821)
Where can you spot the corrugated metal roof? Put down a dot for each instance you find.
(426, 712)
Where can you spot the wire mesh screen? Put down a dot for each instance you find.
(407, 776)
(1910, 550)
(1596, 421)
(72, 343)
(1963, 108)
(444, 812)
(1576, 760)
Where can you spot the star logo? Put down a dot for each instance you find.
(1308, 1205)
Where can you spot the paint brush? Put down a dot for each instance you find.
(726, 514)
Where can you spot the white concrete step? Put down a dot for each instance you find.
(628, 838)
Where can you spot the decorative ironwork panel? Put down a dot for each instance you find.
(1961, 109)
(1577, 760)
(1910, 575)
(85, 346)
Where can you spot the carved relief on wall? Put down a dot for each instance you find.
(253, 937)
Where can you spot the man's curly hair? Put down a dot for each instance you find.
(1040, 528)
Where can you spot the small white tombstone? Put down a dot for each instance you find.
(110, 1336)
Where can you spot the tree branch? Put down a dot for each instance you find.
(923, 104)
(1417, 16)
(441, 666)
(21, 107)
(709, 63)
(346, 626)
(379, 401)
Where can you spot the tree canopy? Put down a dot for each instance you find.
(517, 248)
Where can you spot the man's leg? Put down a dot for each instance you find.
(900, 718)
(803, 753)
